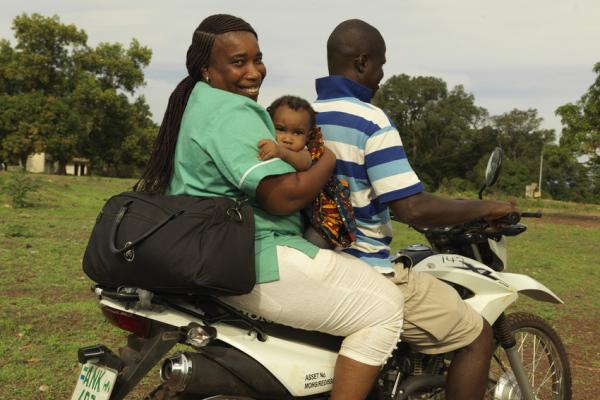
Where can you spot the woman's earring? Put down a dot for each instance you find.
(207, 79)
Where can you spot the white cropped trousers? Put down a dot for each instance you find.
(333, 293)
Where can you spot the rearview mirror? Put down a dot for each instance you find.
(492, 171)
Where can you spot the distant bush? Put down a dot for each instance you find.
(456, 186)
(18, 186)
(14, 230)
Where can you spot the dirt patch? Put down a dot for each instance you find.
(584, 352)
(584, 220)
(53, 294)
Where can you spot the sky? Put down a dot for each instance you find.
(508, 54)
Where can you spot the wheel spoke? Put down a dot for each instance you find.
(547, 353)
(522, 342)
(500, 363)
(532, 379)
(548, 375)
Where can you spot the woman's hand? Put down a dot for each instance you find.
(268, 149)
(328, 156)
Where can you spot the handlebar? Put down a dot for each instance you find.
(514, 217)
(537, 214)
(509, 219)
(506, 222)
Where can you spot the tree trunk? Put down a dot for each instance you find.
(414, 148)
(62, 168)
(23, 159)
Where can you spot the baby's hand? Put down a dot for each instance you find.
(268, 149)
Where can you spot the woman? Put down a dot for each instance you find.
(207, 146)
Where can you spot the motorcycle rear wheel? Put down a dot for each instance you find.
(544, 358)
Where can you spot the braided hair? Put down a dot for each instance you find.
(158, 171)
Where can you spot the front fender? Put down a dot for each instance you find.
(530, 287)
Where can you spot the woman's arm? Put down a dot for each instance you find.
(288, 193)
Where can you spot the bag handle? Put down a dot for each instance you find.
(130, 244)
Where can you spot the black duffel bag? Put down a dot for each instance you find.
(173, 244)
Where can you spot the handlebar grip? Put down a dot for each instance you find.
(510, 219)
(536, 214)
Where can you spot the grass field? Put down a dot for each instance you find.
(47, 311)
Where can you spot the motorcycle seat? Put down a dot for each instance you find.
(216, 310)
(412, 255)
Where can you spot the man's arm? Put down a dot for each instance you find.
(288, 193)
(427, 210)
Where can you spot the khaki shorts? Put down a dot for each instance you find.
(436, 319)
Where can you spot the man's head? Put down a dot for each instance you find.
(356, 50)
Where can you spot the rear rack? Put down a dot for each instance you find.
(215, 310)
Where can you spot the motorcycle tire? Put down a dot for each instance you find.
(163, 393)
(544, 358)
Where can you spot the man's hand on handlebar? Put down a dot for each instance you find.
(498, 212)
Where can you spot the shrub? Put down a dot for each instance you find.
(18, 186)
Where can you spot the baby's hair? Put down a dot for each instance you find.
(295, 103)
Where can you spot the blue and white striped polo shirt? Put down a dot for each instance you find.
(370, 157)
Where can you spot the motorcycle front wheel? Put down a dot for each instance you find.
(543, 356)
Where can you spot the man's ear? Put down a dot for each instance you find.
(360, 63)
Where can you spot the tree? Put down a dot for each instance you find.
(440, 129)
(581, 122)
(23, 125)
(116, 67)
(77, 97)
(115, 120)
(46, 54)
(61, 143)
(581, 130)
(565, 178)
(520, 135)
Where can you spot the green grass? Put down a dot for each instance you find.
(553, 206)
(47, 310)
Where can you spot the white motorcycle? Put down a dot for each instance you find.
(232, 355)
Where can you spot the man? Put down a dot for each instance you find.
(371, 158)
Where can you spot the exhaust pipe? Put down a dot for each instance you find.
(176, 372)
(219, 371)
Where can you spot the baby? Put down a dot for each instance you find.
(294, 122)
(299, 143)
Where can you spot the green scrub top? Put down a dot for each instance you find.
(217, 155)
